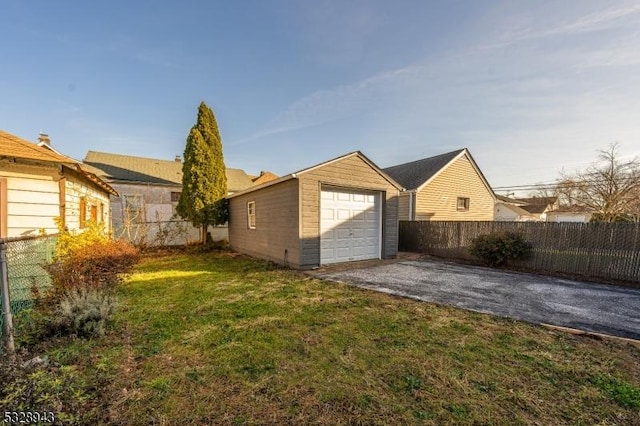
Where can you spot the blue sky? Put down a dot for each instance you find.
(530, 87)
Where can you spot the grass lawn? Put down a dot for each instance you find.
(224, 339)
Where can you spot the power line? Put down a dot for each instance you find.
(564, 184)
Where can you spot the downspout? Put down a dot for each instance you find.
(410, 205)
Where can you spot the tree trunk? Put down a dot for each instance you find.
(203, 234)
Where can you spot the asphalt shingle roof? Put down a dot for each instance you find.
(119, 167)
(12, 146)
(264, 178)
(412, 175)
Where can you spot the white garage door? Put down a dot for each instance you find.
(349, 226)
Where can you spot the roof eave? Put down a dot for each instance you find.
(264, 185)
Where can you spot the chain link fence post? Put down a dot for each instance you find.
(7, 318)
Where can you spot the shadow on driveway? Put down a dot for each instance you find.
(585, 306)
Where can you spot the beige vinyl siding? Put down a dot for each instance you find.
(403, 205)
(353, 173)
(277, 227)
(32, 199)
(438, 199)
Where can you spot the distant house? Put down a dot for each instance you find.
(569, 214)
(264, 177)
(149, 193)
(512, 210)
(38, 185)
(341, 210)
(539, 207)
(445, 187)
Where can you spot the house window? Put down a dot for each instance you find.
(175, 196)
(101, 212)
(251, 214)
(83, 212)
(133, 209)
(463, 204)
(94, 213)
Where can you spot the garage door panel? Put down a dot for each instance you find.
(371, 215)
(341, 234)
(358, 216)
(350, 226)
(343, 214)
(327, 214)
(327, 195)
(359, 234)
(342, 196)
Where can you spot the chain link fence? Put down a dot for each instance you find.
(25, 258)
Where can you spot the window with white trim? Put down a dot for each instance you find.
(463, 204)
(251, 214)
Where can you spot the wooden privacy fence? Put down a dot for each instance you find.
(594, 250)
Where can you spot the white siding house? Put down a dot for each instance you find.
(39, 186)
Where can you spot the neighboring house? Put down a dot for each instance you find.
(539, 207)
(569, 214)
(38, 185)
(264, 177)
(445, 187)
(511, 210)
(341, 210)
(149, 192)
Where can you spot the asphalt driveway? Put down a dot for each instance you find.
(534, 298)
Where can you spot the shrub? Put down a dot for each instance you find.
(83, 312)
(500, 248)
(68, 242)
(99, 265)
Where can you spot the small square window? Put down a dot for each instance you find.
(175, 196)
(251, 214)
(463, 204)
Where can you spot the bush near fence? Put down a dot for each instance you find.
(25, 260)
(609, 251)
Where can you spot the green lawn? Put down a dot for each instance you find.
(224, 339)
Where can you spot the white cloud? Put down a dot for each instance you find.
(600, 20)
(525, 112)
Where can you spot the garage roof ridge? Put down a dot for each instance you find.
(295, 175)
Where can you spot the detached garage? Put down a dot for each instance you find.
(343, 210)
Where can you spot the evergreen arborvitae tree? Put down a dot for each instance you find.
(204, 180)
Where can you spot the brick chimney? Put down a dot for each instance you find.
(177, 159)
(44, 139)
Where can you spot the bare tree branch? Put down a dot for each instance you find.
(609, 187)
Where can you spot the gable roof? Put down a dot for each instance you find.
(294, 175)
(538, 201)
(129, 168)
(13, 147)
(414, 174)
